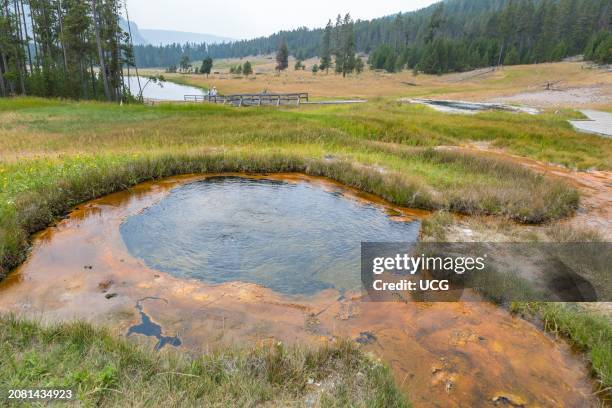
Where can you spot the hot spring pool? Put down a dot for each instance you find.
(295, 238)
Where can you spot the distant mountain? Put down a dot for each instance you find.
(165, 37)
(141, 36)
(137, 37)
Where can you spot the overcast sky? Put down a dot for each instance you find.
(253, 18)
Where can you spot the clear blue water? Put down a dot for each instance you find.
(296, 239)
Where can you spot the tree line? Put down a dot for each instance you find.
(64, 48)
(520, 32)
(454, 35)
(149, 56)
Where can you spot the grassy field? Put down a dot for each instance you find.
(475, 85)
(103, 370)
(56, 154)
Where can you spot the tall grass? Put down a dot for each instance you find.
(107, 371)
(43, 189)
(589, 330)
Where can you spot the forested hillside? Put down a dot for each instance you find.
(454, 35)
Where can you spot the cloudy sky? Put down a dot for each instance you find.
(252, 18)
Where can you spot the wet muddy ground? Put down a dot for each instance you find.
(596, 122)
(442, 354)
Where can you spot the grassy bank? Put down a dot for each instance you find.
(56, 154)
(107, 371)
(590, 331)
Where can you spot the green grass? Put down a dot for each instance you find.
(56, 154)
(104, 370)
(589, 331)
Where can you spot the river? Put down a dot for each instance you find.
(166, 91)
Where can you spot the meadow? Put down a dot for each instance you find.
(56, 154)
(480, 85)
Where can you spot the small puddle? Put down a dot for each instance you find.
(463, 107)
(442, 354)
(151, 329)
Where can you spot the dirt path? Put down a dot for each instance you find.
(595, 187)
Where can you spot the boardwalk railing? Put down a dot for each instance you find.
(251, 99)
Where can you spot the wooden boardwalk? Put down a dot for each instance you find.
(263, 99)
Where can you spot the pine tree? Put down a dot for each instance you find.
(359, 65)
(345, 54)
(207, 64)
(247, 69)
(282, 57)
(185, 62)
(326, 50)
(435, 22)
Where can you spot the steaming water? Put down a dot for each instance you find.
(292, 238)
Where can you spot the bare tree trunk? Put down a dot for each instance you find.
(47, 54)
(83, 82)
(21, 68)
(2, 64)
(93, 80)
(2, 85)
(36, 50)
(5, 62)
(127, 17)
(61, 24)
(103, 72)
(19, 27)
(25, 25)
(117, 72)
(22, 79)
